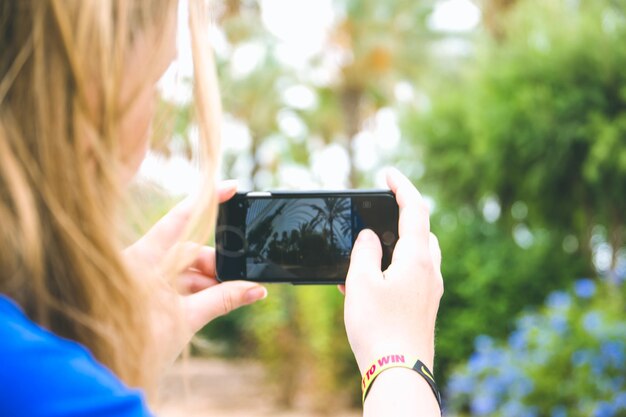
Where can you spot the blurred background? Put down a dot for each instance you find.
(508, 115)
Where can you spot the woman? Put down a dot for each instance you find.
(86, 326)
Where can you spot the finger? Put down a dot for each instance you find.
(218, 300)
(205, 261)
(435, 250)
(414, 218)
(190, 282)
(226, 190)
(366, 257)
(169, 229)
(435, 255)
(342, 288)
(195, 256)
(407, 251)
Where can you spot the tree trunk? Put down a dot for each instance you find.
(495, 17)
(585, 240)
(616, 240)
(254, 147)
(351, 101)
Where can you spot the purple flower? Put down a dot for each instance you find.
(604, 410)
(483, 343)
(585, 288)
(523, 387)
(617, 384)
(598, 365)
(461, 384)
(592, 321)
(513, 408)
(559, 324)
(559, 299)
(518, 340)
(479, 362)
(493, 385)
(613, 352)
(483, 404)
(581, 357)
(559, 411)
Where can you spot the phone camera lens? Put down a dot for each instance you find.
(230, 241)
(388, 238)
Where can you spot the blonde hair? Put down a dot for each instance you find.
(60, 246)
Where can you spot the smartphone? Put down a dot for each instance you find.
(300, 237)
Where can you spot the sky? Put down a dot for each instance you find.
(301, 26)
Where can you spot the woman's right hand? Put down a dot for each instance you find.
(394, 311)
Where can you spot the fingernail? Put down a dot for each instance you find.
(229, 184)
(365, 235)
(255, 294)
(393, 171)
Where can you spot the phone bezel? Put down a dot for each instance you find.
(281, 194)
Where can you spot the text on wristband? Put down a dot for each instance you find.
(382, 362)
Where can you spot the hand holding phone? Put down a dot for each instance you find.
(300, 237)
(393, 310)
(396, 305)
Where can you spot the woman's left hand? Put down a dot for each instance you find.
(201, 296)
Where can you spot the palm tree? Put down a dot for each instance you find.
(383, 42)
(334, 210)
(255, 100)
(494, 14)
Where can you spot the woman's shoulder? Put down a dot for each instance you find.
(23, 338)
(42, 374)
(19, 334)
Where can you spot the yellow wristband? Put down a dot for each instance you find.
(398, 361)
(380, 365)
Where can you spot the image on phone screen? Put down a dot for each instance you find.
(290, 238)
(297, 239)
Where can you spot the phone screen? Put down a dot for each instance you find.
(300, 239)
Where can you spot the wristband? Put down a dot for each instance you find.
(398, 361)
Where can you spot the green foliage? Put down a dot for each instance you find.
(540, 119)
(299, 332)
(300, 336)
(488, 279)
(533, 129)
(388, 40)
(523, 151)
(566, 359)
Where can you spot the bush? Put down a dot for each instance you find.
(523, 152)
(489, 279)
(566, 359)
(300, 336)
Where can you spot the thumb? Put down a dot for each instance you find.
(208, 304)
(366, 256)
(168, 230)
(435, 250)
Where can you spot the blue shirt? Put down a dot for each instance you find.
(42, 374)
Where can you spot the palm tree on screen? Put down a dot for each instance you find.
(334, 211)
